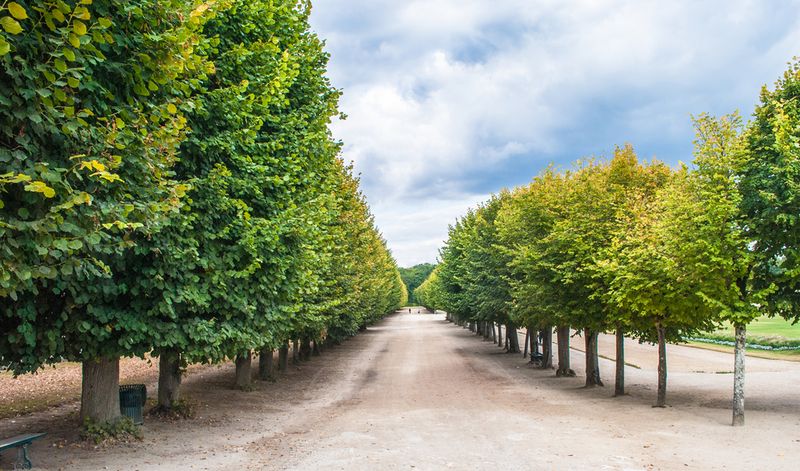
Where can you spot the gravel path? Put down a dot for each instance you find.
(416, 392)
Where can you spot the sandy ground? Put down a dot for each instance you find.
(60, 384)
(415, 392)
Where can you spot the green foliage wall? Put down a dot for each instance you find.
(170, 183)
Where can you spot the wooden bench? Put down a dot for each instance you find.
(21, 443)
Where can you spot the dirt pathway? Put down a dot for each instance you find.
(418, 393)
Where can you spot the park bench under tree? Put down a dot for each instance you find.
(21, 443)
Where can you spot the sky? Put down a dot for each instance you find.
(449, 101)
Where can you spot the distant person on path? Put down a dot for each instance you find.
(409, 310)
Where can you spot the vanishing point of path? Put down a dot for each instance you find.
(415, 392)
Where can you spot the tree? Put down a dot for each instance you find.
(92, 111)
(770, 200)
(629, 183)
(722, 241)
(654, 278)
(523, 225)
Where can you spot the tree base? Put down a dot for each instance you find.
(570, 373)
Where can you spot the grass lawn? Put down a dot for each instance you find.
(767, 327)
(775, 332)
(791, 355)
(773, 326)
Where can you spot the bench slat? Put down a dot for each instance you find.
(19, 440)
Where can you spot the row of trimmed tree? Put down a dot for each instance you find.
(170, 186)
(638, 248)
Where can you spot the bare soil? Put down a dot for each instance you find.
(418, 392)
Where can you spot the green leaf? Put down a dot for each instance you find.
(5, 48)
(61, 66)
(17, 11)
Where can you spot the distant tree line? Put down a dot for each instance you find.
(414, 276)
(638, 248)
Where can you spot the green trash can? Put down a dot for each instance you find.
(132, 398)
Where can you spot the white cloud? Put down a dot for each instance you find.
(446, 98)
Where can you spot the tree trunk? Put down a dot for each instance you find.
(619, 378)
(527, 336)
(169, 379)
(317, 351)
(265, 360)
(513, 338)
(244, 376)
(534, 342)
(494, 334)
(661, 400)
(564, 368)
(305, 350)
(592, 360)
(295, 352)
(547, 348)
(100, 390)
(283, 358)
(738, 375)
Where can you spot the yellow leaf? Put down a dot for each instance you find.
(79, 27)
(40, 187)
(10, 25)
(82, 13)
(172, 109)
(199, 10)
(58, 15)
(17, 11)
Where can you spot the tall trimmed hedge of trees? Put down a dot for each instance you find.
(639, 249)
(170, 186)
